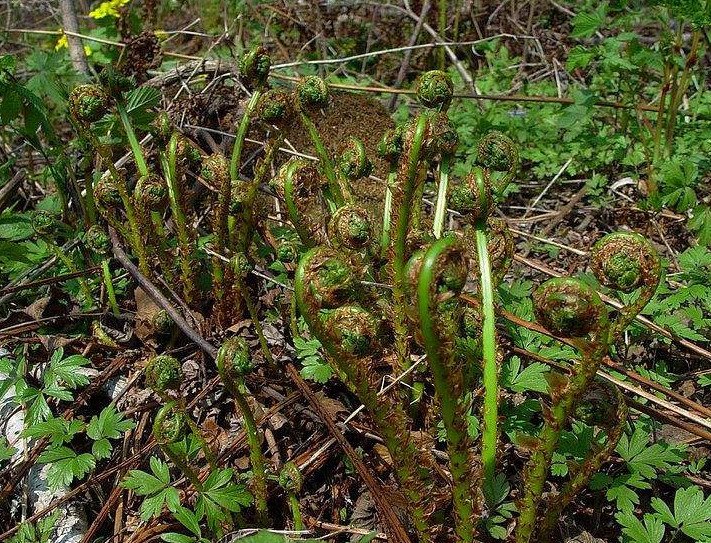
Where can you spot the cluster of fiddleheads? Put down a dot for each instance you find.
(426, 269)
(572, 310)
(376, 294)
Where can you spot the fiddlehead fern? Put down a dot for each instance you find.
(216, 170)
(446, 141)
(626, 261)
(169, 427)
(389, 148)
(234, 363)
(435, 89)
(312, 94)
(299, 184)
(291, 480)
(475, 199)
(163, 375)
(568, 308)
(327, 293)
(498, 153)
(350, 227)
(354, 164)
(88, 103)
(443, 273)
(98, 241)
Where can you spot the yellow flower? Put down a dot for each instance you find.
(160, 34)
(108, 9)
(61, 43)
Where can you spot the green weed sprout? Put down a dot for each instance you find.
(291, 480)
(97, 240)
(234, 363)
(170, 427)
(163, 375)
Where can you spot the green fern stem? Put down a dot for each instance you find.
(490, 412)
(453, 416)
(538, 466)
(254, 315)
(589, 467)
(132, 140)
(387, 213)
(295, 216)
(168, 161)
(255, 449)
(108, 284)
(296, 511)
(236, 157)
(441, 205)
(260, 175)
(406, 191)
(332, 192)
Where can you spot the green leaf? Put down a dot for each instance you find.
(67, 369)
(692, 514)
(188, 519)
(700, 224)
(532, 377)
(172, 537)
(636, 531)
(219, 489)
(109, 424)
(6, 452)
(586, 24)
(101, 449)
(65, 466)
(580, 57)
(57, 429)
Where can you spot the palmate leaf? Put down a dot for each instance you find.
(532, 377)
(155, 486)
(65, 466)
(650, 530)
(692, 514)
(66, 369)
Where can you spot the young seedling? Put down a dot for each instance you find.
(234, 363)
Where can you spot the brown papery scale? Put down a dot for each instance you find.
(330, 281)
